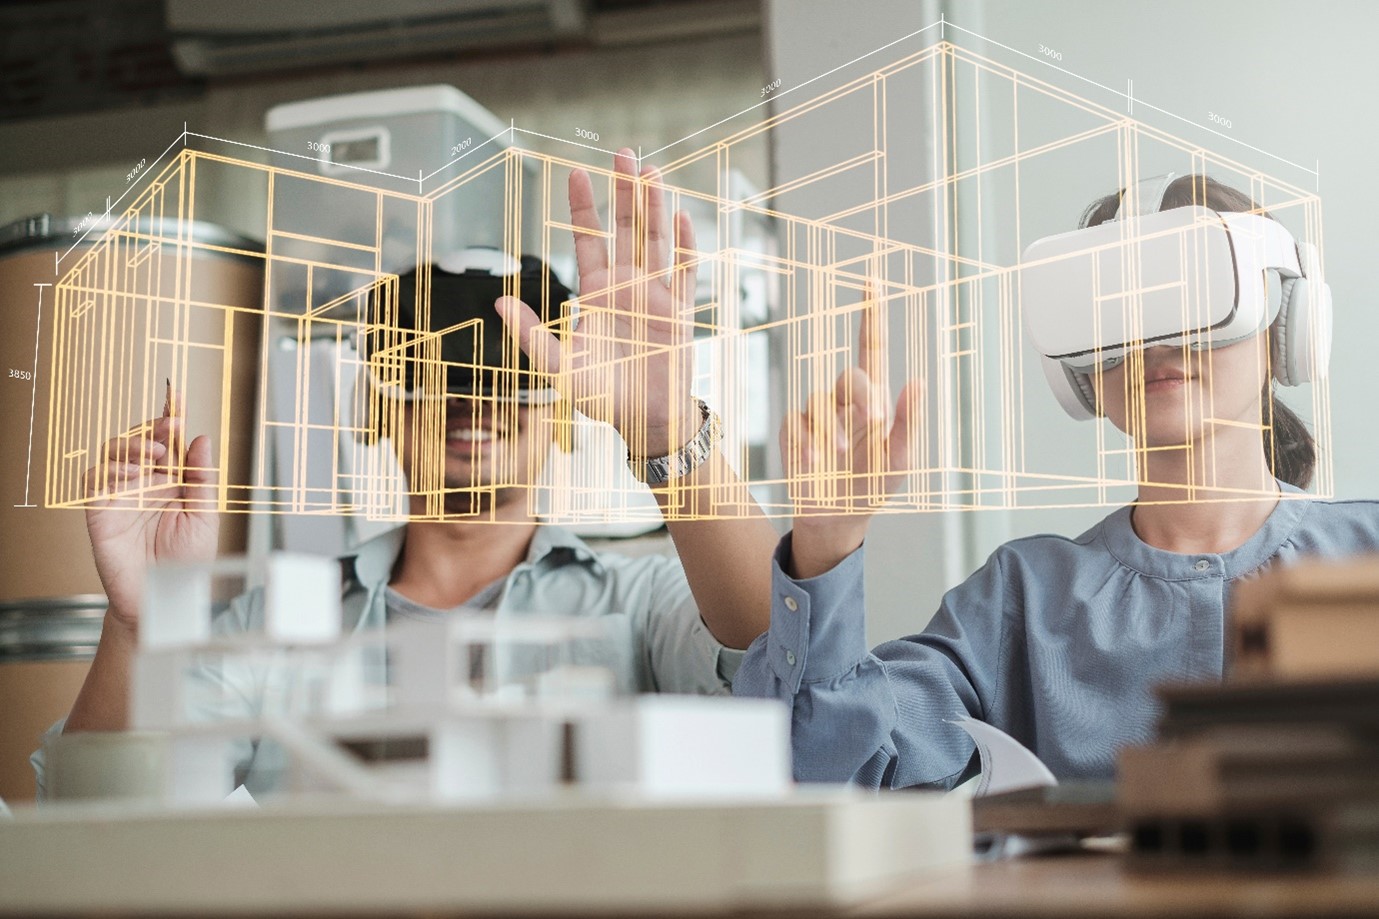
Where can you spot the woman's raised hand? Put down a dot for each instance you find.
(846, 453)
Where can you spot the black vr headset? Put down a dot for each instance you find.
(464, 290)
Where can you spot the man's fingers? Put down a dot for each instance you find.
(199, 475)
(657, 224)
(135, 448)
(106, 478)
(155, 429)
(790, 427)
(130, 456)
(200, 470)
(537, 343)
(145, 448)
(796, 444)
(685, 278)
(161, 429)
(591, 251)
(625, 207)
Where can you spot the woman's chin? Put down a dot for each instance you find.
(1163, 434)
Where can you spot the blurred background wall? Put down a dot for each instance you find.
(1292, 77)
(90, 88)
(635, 71)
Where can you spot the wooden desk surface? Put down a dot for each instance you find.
(1084, 884)
(1097, 884)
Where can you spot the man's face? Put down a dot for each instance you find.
(482, 443)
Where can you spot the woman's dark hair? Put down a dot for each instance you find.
(1288, 445)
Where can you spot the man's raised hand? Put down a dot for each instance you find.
(155, 501)
(632, 344)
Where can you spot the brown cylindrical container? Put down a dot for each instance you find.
(45, 650)
(51, 601)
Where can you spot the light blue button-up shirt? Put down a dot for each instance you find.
(656, 640)
(1059, 642)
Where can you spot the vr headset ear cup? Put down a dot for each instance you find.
(1283, 350)
(1301, 335)
(1073, 390)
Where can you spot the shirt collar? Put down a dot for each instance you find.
(374, 559)
(560, 546)
(1122, 541)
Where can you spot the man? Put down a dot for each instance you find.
(679, 630)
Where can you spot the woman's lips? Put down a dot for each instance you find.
(1164, 384)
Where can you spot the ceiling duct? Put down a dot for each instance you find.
(272, 35)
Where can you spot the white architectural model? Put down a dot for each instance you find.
(457, 709)
(470, 766)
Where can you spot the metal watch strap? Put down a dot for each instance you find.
(661, 469)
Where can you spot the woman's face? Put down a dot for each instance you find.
(1173, 396)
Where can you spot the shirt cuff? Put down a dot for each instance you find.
(729, 659)
(716, 664)
(818, 625)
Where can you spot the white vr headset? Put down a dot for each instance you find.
(1185, 277)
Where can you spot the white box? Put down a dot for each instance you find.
(301, 598)
(177, 606)
(687, 746)
(491, 754)
(396, 137)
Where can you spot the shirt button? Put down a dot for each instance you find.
(790, 658)
(791, 605)
(1202, 564)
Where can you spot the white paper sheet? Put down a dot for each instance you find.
(1007, 764)
(240, 797)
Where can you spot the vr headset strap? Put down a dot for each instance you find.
(1262, 244)
(1144, 197)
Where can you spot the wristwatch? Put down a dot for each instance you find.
(661, 469)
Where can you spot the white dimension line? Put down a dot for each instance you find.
(1078, 76)
(942, 25)
(563, 140)
(108, 205)
(300, 156)
(33, 398)
(795, 87)
(467, 152)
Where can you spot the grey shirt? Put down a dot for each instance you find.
(1059, 642)
(658, 643)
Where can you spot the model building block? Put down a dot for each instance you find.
(1316, 619)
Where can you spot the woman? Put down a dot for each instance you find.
(1056, 641)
